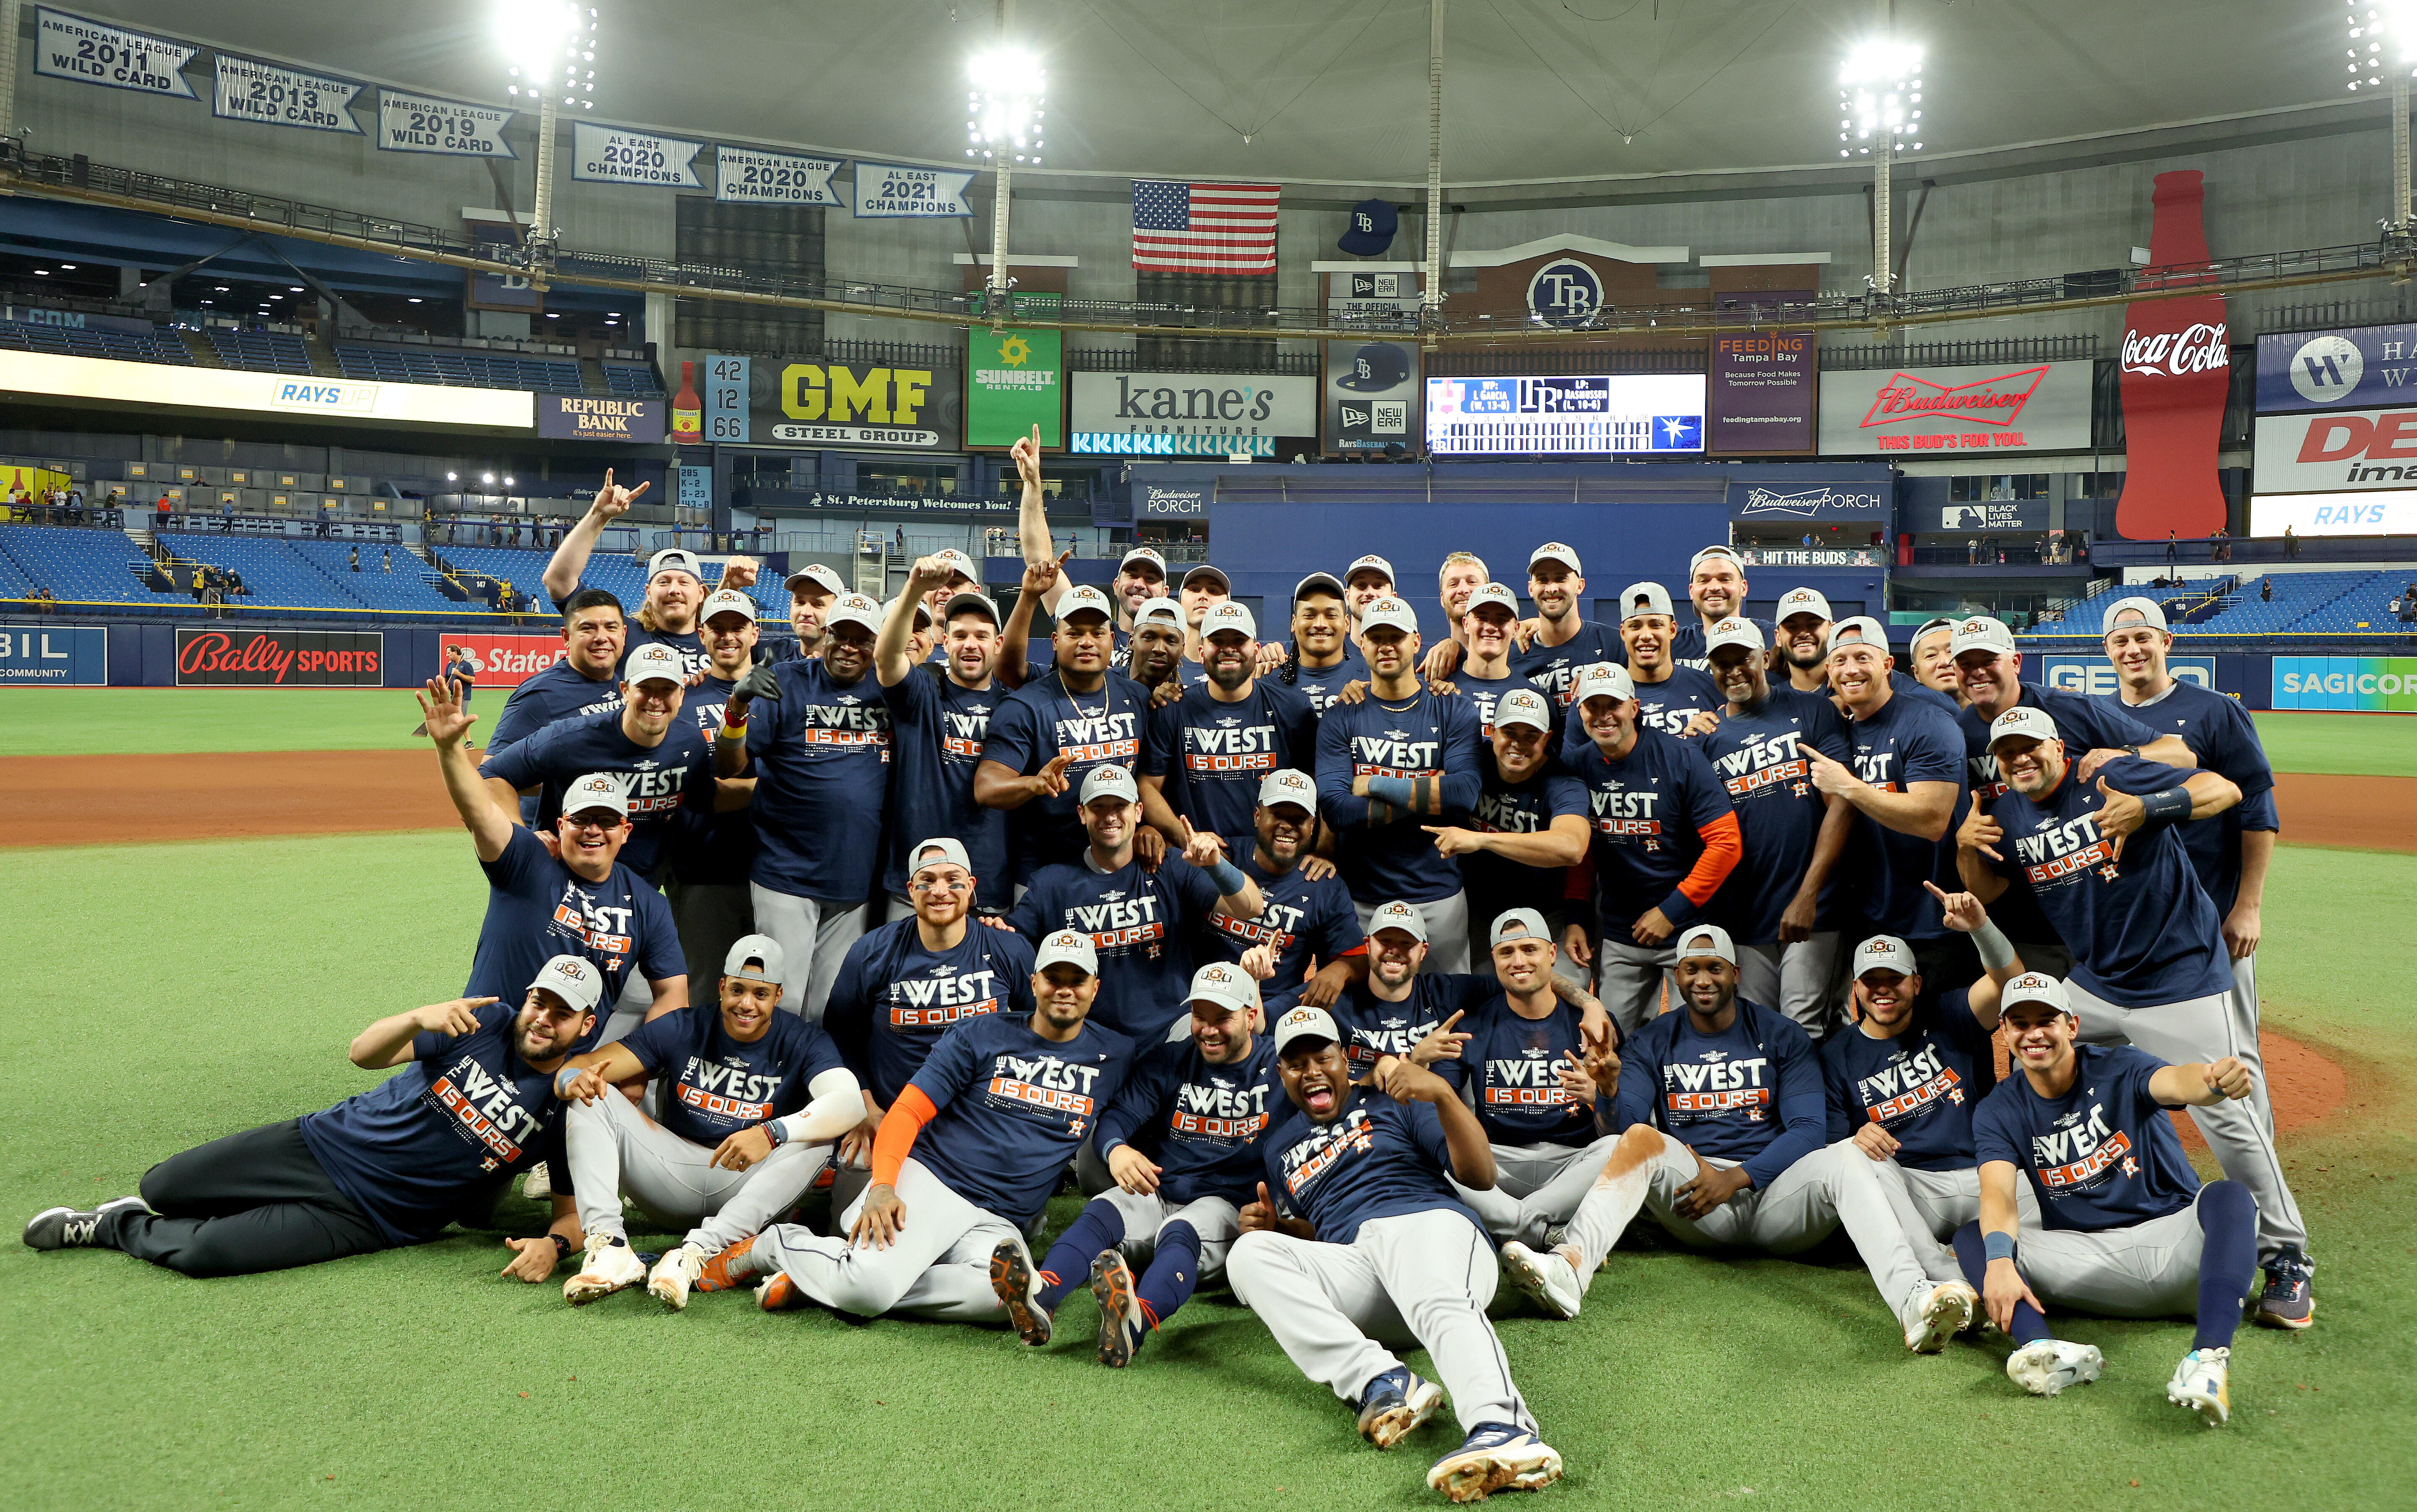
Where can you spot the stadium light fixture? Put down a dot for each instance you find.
(1880, 116)
(2383, 51)
(1004, 111)
(550, 47)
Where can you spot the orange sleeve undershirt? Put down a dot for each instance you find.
(895, 1139)
(1723, 847)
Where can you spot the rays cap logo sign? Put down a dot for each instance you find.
(1564, 291)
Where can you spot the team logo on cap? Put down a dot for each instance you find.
(1218, 974)
(1882, 947)
(599, 786)
(1302, 1016)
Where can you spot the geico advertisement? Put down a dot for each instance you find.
(2095, 675)
(263, 393)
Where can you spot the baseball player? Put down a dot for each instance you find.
(965, 1158)
(1804, 621)
(1399, 1007)
(1154, 654)
(813, 589)
(1206, 753)
(1203, 588)
(939, 719)
(2125, 1229)
(581, 682)
(752, 1102)
(709, 858)
(2109, 870)
(1564, 641)
(389, 1167)
(1141, 576)
(1666, 839)
(1140, 921)
(821, 760)
(1181, 1141)
(1323, 660)
(1489, 630)
(1530, 824)
(1049, 734)
(1365, 580)
(1933, 666)
(1404, 758)
(1460, 576)
(1670, 698)
(1364, 1242)
(1716, 587)
(1305, 916)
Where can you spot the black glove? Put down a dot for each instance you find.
(758, 682)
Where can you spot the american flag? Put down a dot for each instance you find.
(1204, 228)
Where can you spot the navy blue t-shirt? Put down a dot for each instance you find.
(894, 999)
(1213, 755)
(2221, 734)
(1322, 686)
(559, 693)
(1031, 726)
(1649, 810)
(1372, 1028)
(2084, 723)
(820, 757)
(1921, 692)
(1014, 1108)
(1752, 1093)
(690, 645)
(1432, 735)
(1687, 642)
(1494, 884)
(1922, 1086)
(719, 1085)
(464, 1113)
(2140, 926)
(538, 908)
(1759, 758)
(2104, 1156)
(1141, 923)
(941, 728)
(1554, 667)
(1304, 920)
(1485, 692)
(1376, 1159)
(1670, 704)
(658, 778)
(1200, 1122)
(1509, 1070)
(710, 849)
(1906, 742)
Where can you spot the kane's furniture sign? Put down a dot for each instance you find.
(1189, 413)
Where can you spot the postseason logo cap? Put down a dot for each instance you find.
(1800, 601)
(1398, 915)
(1068, 948)
(1108, 782)
(941, 850)
(597, 790)
(728, 601)
(2149, 610)
(1981, 632)
(2023, 719)
(2034, 987)
(1598, 680)
(1083, 598)
(755, 957)
(1884, 952)
(1523, 705)
(1389, 610)
(966, 602)
(1555, 551)
(813, 574)
(1370, 563)
(1930, 627)
(1228, 615)
(654, 662)
(673, 559)
(1497, 594)
(1707, 939)
(1733, 631)
(1327, 581)
(1306, 1023)
(1639, 598)
(1286, 785)
(958, 563)
(855, 609)
(1204, 571)
(575, 980)
(1709, 552)
(1222, 982)
(1859, 630)
(1518, 924)
(1146, 557)
(1165, 613)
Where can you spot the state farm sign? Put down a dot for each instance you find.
(508, 661)
(2334, 452)
(1888, 412)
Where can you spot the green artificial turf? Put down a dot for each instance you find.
(419, 1379)
(133, 721)
(2362, 745)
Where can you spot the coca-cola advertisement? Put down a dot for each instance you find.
(507, 661)
(213, 657)
(2177, 369)
(1889, 413)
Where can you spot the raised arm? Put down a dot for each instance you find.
(1032, 515)
(1922, 810)
(1999, 964)
(1015, 641)
(893, 650)
(488, 823)
(387, 1042)
(579, 542)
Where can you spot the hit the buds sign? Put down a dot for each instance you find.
(2041, 406)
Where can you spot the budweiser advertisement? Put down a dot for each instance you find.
(2337, 451)
(2040, 406)
(2176, 370)
(507, 661)
(211, 657)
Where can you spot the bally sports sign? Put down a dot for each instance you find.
(2038, 407)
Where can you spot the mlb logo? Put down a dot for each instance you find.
(1389, 418)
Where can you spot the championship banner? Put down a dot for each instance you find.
(608, 155)
(742, 175)
(54, 656)
(816, 403)
(98, 53)
(507, 661)
(1011, 385)
(2041, 406)
(890, 192)
(1188, 414)
(273, 95)
(280, 659)
(423, 123)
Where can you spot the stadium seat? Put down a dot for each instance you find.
(261, 351)
(457, 369)
(405, 587)
(632, 380)
(77, 566)
(2306, 603)
(112, 346)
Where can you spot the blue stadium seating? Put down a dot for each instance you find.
(118, 346)
(77, 566)
(616, 572)
(525, 571)
(261, 351)
(405, 587)
(275, 573)
(635, 379)
(13, 581)
(459, 368)
(2307, 603)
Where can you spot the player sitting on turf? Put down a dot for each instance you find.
(964, 1161)
(1182, 1142)
(1368, 1238)
(2126, 1230)
(387, 1167)
(753, 1098)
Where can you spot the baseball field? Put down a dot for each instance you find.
(216, 889)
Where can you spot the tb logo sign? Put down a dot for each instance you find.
(1565, 292)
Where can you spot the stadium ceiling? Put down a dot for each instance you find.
(1544, 98)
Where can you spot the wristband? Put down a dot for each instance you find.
(564, 1078)
(2166, 806)
(1996, 1246)
(1228, 878)
(1997, 951)
(730, 728)
(777, 1131)
(1393, 789)
(561, 1246)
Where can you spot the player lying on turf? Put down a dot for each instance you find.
(392, 1166)
(2125, 1229)
(752, 1100)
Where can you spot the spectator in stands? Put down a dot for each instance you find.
(2290, 542)
(356, 559)
(386, 559)
(2169, 546)
(1972, 551)
(2266, 591)
(161, 522)
(234, 583)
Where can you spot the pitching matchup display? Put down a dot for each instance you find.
(1590, 416)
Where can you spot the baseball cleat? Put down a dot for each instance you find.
(1393, 1404)
(2047, 1367)
(1947, 1311)
(1018, 1288)
(1495, 1457)
(1122, 1328)
(66, 1228)
(1549, 1278)
(2201, 1384)
(538, 1182)
(2290, 1300)
(714, 1274)
(609, 1267)
(779, 1293)
(676, 1273)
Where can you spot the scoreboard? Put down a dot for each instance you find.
(1593, 415)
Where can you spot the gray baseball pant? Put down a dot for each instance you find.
(615, 1151)
(2242, 1003)
(1793, 978)
(1447, 922)
(2146, 1270)
(1422, 1278)
(1629, 977)
(814, 935)
(1931, 1206)
(939, 1265)
(2205, 1029)
(1537, 1186)
(1217, 1221)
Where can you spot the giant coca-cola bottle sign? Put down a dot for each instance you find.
(2176, 370)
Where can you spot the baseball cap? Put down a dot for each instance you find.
(573, 979)
(951, 849)
(728, 601)
(1733, 631)
(1158, 611)
(597, 790)
(1223, 982)
(1205, 570)
(966, 599)
(1108, 782)
(1884, 952)
(1306, 1023)
(1928, 626)
(1598, 680)
(1800, 601)
(1707, 939)
(1856, 629)
(1492, 592)
(1142, 555)
(654, 662)
(818, 575)
(760, 948)
(2150, 613)
(1981, 632)
(1370, 229)
(1523, 705)
(2023, 719)
(1314, 580)
(1555, 551)
(1644, 599)
(1369, 564)
(1389, 610)
(1697, 560)
(2034, 987)
(1398, 915)
(1514, 923)
(1084, 599)
(958, 562)
(853, 609)
(1289, 785)
(922, 609)
(1376, 367)
(673, 559)
(1068, 948)
(1229, 615)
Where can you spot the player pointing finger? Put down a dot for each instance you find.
(1440, 1044)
